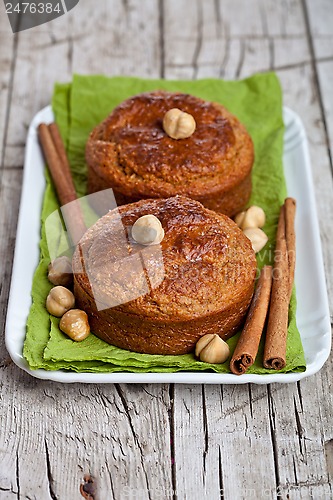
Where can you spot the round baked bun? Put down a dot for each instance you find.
(131, 153)
(160, 299)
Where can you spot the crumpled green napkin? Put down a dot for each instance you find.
(78, 107)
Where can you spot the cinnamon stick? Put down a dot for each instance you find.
(277, 328)
(60, 148)
(290, 212)
(58, 165)
(248, 343)
(281, 229)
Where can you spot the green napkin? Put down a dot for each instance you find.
(78, 107)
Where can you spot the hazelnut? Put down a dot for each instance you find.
(75, 324)
(257, 237)
(59, 301)
(148, 230)
(212, 349)
(60, 271)
(178, 124)
(252, 217)
(239, 218)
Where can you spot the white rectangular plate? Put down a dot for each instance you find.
(313, 317)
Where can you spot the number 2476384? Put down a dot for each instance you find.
(32, 8)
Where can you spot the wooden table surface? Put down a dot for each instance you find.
(167, 441)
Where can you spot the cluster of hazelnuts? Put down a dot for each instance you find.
(251, 221)
(60, 301)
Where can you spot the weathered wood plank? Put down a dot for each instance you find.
(249, 21)
(300, 435)
(7, 65)
(223, 429)
(320, 15)
(9, 196)
(318, 25)
(117, 434)
(216, 46)
(313, 401)
(190, 445)
(216, 426)
(266, 45)
(128, 41)
(42, 59)
(58, 434)
(296, 97)
(236, 440)
(138, 54)
(54, 51)
(10, 190)
(283, 18)
(325, 72)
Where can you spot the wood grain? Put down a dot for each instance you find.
(119, 435)
(321, 20)
(8, 44)
(155, 441)
(293, 473)
(41, 59)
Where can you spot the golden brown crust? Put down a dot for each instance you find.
(131, 153)
(199, 280)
